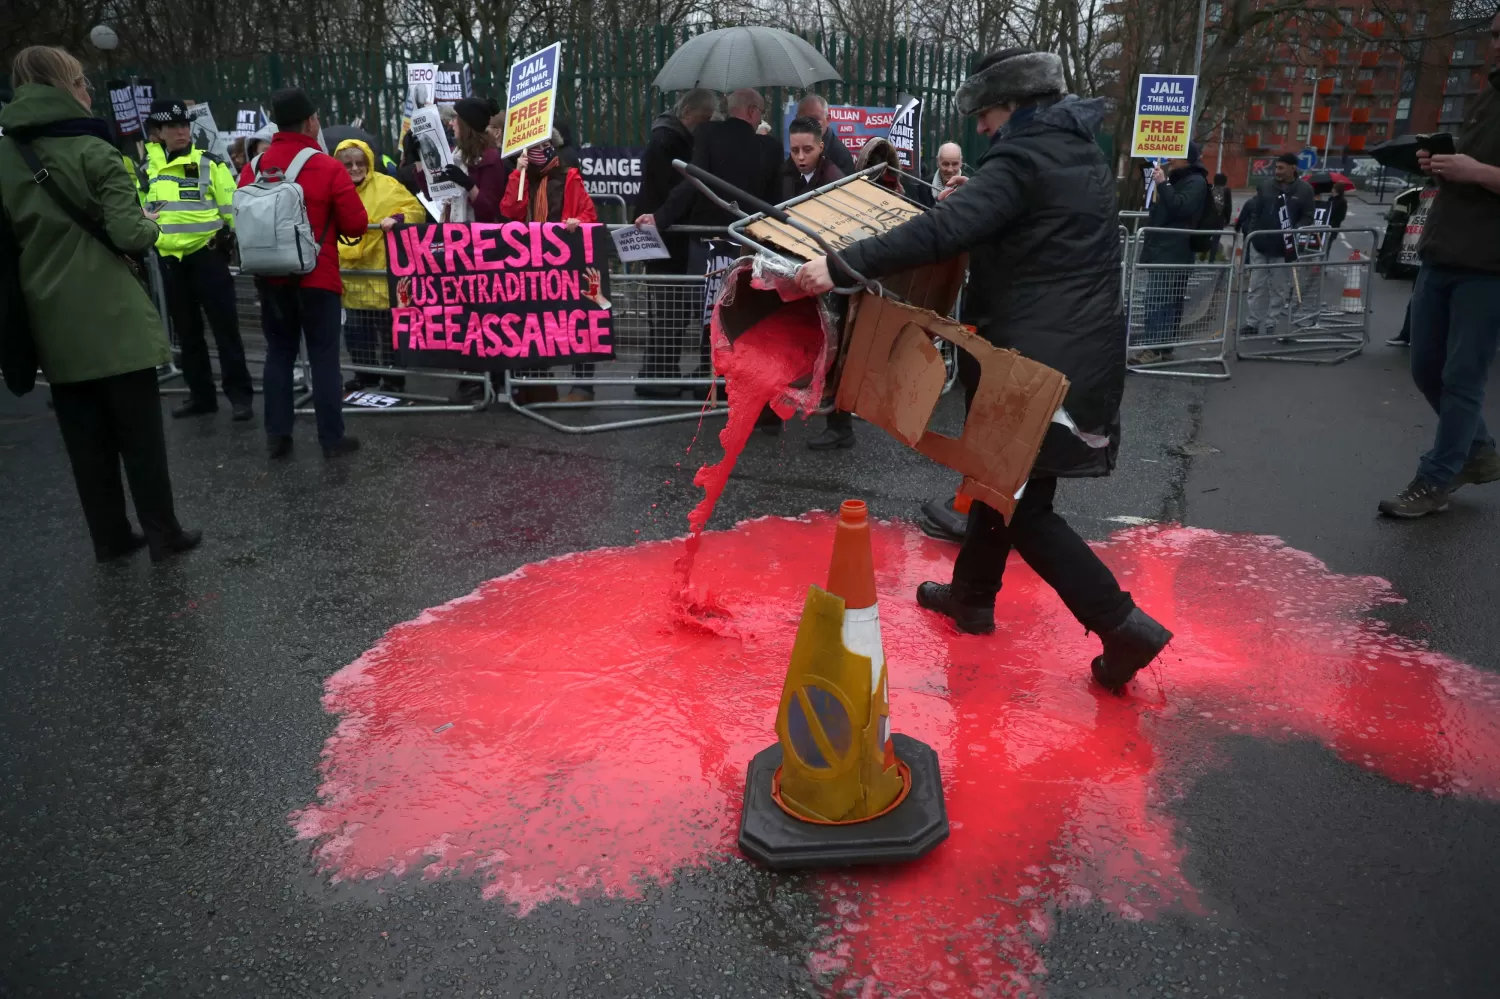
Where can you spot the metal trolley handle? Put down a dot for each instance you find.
(705, 182)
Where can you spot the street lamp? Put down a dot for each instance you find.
(1312, 121)
(104, 38)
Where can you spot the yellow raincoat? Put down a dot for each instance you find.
(383, 196)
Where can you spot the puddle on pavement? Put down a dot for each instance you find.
(597, 740)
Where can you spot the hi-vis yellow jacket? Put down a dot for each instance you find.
(194, 194)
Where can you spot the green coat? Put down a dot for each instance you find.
(89, 315)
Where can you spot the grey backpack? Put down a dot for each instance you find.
(271, 225)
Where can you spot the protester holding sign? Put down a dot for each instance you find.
(193, 192)
(93, 329)
(548, 190)
(1283, 202)
(478, 169)
(367, 303)
(292, 309)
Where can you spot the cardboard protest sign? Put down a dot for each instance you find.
(613, 170)
(486, 296)
(421, 86)
(1163, 116)
(248, 119)
(122, 107)
(531, 99)
(432, 144)
(452, 83)
(639, 243)
(144, 92)
(906, 134)
(855, 125)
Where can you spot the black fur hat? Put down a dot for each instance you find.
(1015, 75)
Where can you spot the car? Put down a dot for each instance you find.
(1388, 263)
(1384, 185)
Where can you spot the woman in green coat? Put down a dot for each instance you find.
(98, 337)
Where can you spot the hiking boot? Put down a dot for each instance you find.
(1128, 649)
(1416, 500)
(242, 412)
(941, 521)
(344, 445)
(1483, 467)
(178, 543)
(192, 407)
(279, 446)
(126, 546)
(971, 618)
(832, 439)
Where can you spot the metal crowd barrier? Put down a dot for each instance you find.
(1178, 315)
(1311, 309)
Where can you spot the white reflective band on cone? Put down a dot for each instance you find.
(862, 637)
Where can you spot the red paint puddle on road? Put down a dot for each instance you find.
(758, 369)
(596, 743)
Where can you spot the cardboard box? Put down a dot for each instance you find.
(887, 369)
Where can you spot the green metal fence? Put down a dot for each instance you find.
(606, 81)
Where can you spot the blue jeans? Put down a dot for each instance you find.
(288, 314)
(1455, 326)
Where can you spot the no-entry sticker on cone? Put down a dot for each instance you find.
(1164, 116)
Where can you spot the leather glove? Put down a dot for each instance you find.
(455, 174)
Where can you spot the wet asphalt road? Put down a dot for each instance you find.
(157, 724)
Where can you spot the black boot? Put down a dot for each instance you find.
(176, 544)
(941, 521)
(1128, 649)
(976, 619)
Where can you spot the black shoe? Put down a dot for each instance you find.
(354, 385)
(947, 524)
(1483, 467)
(242, 412)
(393, 385)
(832, 439)
(1128, 649)
(768, 422)
(132, 544)
(971, 618)
(661, 391)
(279, 446)
(1398, 341)
(1245, 331)
(344, 445)
(1416, 500)
(192, 407)
(181, 542)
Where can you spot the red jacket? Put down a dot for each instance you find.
(328, 190)
(576, 203)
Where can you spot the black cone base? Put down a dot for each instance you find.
(772, 838)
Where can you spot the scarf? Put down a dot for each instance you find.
(538, 179)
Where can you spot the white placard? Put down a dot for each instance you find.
(639, 243)
(432, 143)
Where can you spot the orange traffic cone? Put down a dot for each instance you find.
(838, 787)
(1353, 300)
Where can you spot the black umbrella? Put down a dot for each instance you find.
(334, 134)
(1399, 153)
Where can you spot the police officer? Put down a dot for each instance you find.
(193, 191)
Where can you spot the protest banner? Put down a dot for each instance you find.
(612, 170)
(1163, 116)
(144, 92)
(486, 296)
(248, 119)
(432, 145)
(634, 243)
(856, 125)
(452, 82)
(122, 106)
(531, 99)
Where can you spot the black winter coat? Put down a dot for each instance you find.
(1178, 204)
(1038, 220)
(835, 152)
(732, 150)
(670, 140)
(792, 184)
(1262, 213)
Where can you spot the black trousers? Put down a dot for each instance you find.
(107, 421)
(196, 284)
(1052, 548)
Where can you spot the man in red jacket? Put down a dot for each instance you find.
(309, 306)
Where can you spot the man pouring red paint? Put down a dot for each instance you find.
(1037, 219)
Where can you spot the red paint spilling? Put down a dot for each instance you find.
(758, 369)
(556, 734)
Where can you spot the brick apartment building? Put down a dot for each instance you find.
(1336, 91)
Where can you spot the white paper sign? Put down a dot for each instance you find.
(432, 143)
(639, 243)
